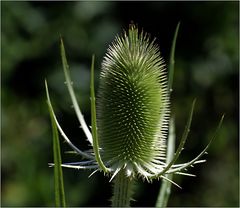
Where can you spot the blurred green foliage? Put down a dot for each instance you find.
(207, 64)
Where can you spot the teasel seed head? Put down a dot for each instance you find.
(133, 105)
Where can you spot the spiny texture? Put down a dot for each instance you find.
(133, 105)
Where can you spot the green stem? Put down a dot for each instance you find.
(122, 190)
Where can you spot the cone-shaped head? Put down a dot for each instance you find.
(133, 105)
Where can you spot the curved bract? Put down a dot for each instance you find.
(133, 105)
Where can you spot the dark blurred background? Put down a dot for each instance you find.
(207, 64)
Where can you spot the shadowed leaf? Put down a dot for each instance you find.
(58, 175)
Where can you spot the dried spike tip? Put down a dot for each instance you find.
(133, 105)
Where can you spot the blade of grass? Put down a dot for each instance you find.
(58, 175)
(94, 122)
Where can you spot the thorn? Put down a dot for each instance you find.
(93, 173)
(186, 174)
(50, 165)
(167, 179)
(200, 161)
(114, 174)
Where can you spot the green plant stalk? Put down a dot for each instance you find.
(122, 190)
(165, 189)
(58, 175)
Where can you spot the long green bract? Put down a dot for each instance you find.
(172, 59)
(94, 122)
(203, 151)
(83, 154)
(72, 94)
(181, 144)
(58, 175)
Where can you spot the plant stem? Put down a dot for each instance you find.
(122, 190)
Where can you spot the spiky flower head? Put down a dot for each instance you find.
(132, 117)
(133, 105)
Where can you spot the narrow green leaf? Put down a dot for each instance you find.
(72, 94)
(172, 59)
(182, 142)
(58, 175)
(78, 151)
(165, 189)
(94, 121)
(203, 151)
